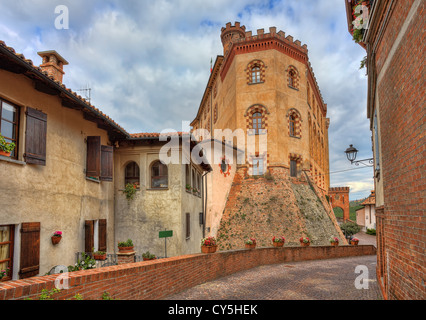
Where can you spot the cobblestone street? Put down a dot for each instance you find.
(331, 279)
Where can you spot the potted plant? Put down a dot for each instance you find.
(6, 148)
(278, 242)
(130, 190)
(99, 255)
(4, 274)
(305, 242)
(188, 187)
(208, 245)
(354, 241)
(250, 243)
(125, 246)
(87, 262)
(148, 256)
(56, 238)
(334, 241)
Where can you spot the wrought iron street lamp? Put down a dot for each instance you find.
(351, 153)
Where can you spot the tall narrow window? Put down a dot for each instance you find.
(188, 177)
(293, 168)
(292, 126)
(9, 116)
(257, 122)
(132, 174)
(159, 175)
(255, 74)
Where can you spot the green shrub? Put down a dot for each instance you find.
(371, 231)
(350, 228)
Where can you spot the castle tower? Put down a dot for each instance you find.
(264, 87)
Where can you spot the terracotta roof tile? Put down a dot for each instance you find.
(38, 69)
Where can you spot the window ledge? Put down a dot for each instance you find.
(157, 189)
(253, 83)
(291, 87)
(93, 180)
(295, 137)
(10, 160)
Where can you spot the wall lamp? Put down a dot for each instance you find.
(351, 153)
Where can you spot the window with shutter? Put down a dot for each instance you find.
(9, 123)
(93, 160)
(89, 232)
(102, 235)
(30, 250)
(35, 137)
(106, 163)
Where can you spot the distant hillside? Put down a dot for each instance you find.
(356, 203)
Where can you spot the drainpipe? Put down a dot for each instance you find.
(204, 201)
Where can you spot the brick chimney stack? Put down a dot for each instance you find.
(53, 64)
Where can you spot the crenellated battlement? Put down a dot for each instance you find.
(339, 189)
(238, 34)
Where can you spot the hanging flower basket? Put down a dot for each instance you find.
(57, 237)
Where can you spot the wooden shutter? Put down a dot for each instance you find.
(30, 250)
(93, 160)
(188, 225)
(35, 137)
(103, 235)
(89, 231)
(106, 163)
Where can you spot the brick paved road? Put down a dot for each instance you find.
(332, 279)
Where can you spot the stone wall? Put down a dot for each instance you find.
(274, 205)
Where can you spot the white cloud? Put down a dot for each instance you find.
(147, 62)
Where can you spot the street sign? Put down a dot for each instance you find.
(165, 234)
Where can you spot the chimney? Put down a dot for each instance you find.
(53, 64)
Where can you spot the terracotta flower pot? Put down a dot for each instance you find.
(125, 249)
(99, 256)
(4, 153)
(56, 240)
(208, 249)
(307, 244)
(334, 244)
(250, 246)
(354, 243)
(278, 244)
(147, 259)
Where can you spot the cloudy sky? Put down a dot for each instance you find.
(147, 62)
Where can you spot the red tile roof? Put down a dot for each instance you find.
(55, 83)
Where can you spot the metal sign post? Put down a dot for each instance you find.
(165, 234)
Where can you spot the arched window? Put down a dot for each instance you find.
(255, 74)
(292, 125)
(257, 122)
(131, 174)
(292, 78)
(159, 175)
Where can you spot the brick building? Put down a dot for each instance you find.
(263, 91)
(394, 41)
